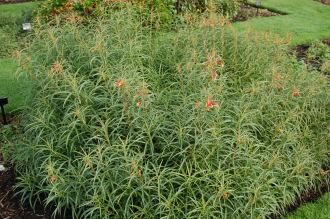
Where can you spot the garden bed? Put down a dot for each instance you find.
(310, 196)
(326, 2)
(301, 52)
(248, 11)
(10, 206)
(13, 1)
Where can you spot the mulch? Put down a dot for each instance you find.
(10, 205)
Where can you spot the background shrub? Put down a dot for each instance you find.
(319, 54)
(154, 13)
(203, 122)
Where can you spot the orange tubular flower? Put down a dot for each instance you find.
(210, 104)
(53, 179)
(119, 83)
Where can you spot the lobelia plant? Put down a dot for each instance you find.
(204, 122)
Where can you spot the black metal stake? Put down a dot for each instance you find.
(3, 115)
(3, 102)
(258, 4)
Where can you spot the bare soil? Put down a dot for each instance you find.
(10, 205)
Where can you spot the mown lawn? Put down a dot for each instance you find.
(318, 210)
(11, 86)
(16, 10)
(305, 20)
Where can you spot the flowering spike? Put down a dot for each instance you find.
(214, 75)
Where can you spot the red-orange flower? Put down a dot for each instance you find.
(210, 104)
(119, 83)
(53, 179)
(57, 67)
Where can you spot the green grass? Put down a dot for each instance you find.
(306, 20)
(11, 87)
(12, 15)
(15, 10)
(319, 210)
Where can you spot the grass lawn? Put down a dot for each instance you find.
(11, 87)
(16, 10)
(319, 210)
(16, 90)
(306, 20)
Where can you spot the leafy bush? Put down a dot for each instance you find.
(152, 12)
(319, 51)
(203, 122)
(325, 68)
(319, 54)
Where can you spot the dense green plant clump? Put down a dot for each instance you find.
(200, 123)
(319, 53)
(153, 12)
